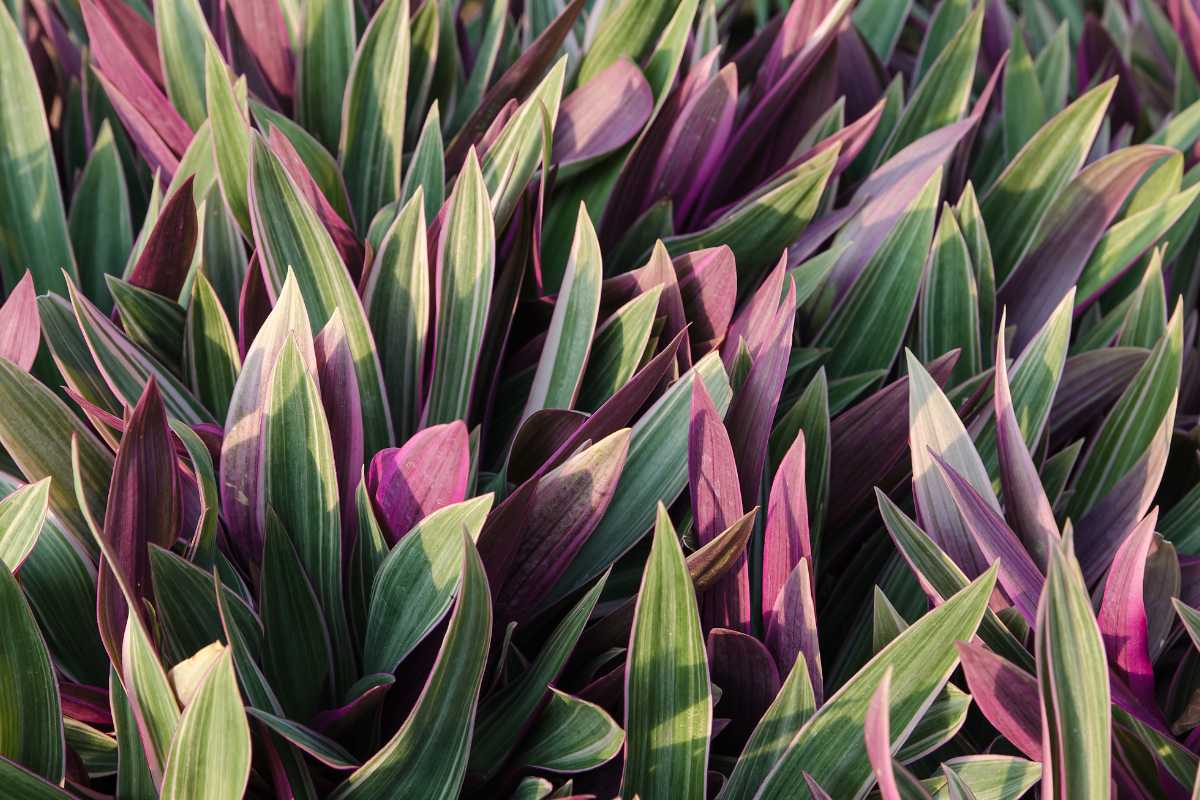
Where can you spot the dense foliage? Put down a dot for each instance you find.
(562, 398)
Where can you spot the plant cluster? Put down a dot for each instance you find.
(732, 399)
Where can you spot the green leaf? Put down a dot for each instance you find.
(1053, 65)
(31, 207)
(210, 350)
(1025, 108)
(492, 19)
(945, 23)
(152, 322)
(372, 137)
(230, 138)
(618, 348)
(880, 23)
(505, 714)
(133, 773)
(320, 164)
(466, 263)
(101, 223)
(291, 237)
(300, 486)
(948, 315)
(1128, 239)
(323, 67)
(789, 711)
(655, 471)
(760, 226)
(569, 338)
(426, 169)
(809, 414)
(941, 97)
(1147, 318)
(629, 30)
(370, 550)
(1072, 675)
(1025, 191)
(830, 746)
(22, 514)
(510, 162)
(183, 38)
(1134, 421)
(320, 747)
(416, 582)
(396, 296)
(668, 705)
(127, 368)
(939, 724)
(213, 731)
(427, 757)
(150, 695)
(882, 298)
(662, 66)
(36, 430)
(31, 731)
(21, 784)
(571, 735)
(96, 749)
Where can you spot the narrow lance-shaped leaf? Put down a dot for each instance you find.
(428, 755)
(32, 213)
(568, 341)
(22, 515)
(668, 706)
(230, 137)
(372, 127)
(830, 746)
(326, 55)
(1073, 684)
(213, 730)
(291, 237)
(465, 269)
(183, 38)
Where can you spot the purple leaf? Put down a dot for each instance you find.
(694, 147)
(748, 678)
(785, 540)
(133, 31)
(1019, 577)
(1097, 58)
(254, 305)
(123, 69)
(20, 326)
(1074, 224)
(792, 627)
(716, 503)
(339, 721)
(159, 155)
(753, 408)
(429, 472)
(1102, 529)
(166, 259)
(1122, 616)
(1090, 383)
(143, 508)
(756, 320)
(602, 115)
(88, 704)
(1006, 694)
(566, 506)
(339, 398)
(1024, 497)
(265, 32)
(877, 733)
(708, 285)
(538, 439)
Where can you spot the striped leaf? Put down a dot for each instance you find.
(655, 471)
(22, 515)
(1073, 684)
(230, 137)
(465, 268)
(151, 697)
(31, 729)
(427, 757)
(948, 315)
(210, 352)
(32, 213)
(569, 339)
(213, 730)
(830, 746)
(396, 296)
(571, 735)
(617, 350)
(426, 168)
(416, 582)
(100, 220)
(300, 486)
(327, 35)
(372, 128)
(183, 38)
(668, 706)
(290, 236)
